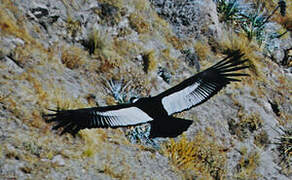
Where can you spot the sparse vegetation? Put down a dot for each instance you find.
(73, 27)
(228, 9)
(252, 20)
(62, 100)
(138, 23)
(55, 71)
(176, 42)
(201, 156)
(73, 57)
(97, 41)
(247, 165)
(253, 25)
(32, 147)
(232, 40)
(252, 122)
(149, 61)
(247, 124)
(10, 25)
(202, 49)
(110, 14)
(119, 90)
(140, 135)
(164, 74)
(284, 146)
(261, 139)
(96, 140)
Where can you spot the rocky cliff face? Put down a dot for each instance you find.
(83, 53)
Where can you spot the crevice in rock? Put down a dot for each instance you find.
(275, 108)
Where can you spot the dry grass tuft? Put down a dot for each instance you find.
(73, 27)
(97, 140)
(247, 165)
(252, 122)
(248, 123)
(98, 41)
(103, 49)
(27, 54)
(63, 100)
(10, 25)
(108, 64)
(250, 48)
(203, 50)
(175, 41)
(73, 57)
(127, 49)
(94, 141)
(201, 156)
(12, 22)
(149, 61)
(262, 139)
(117, 3)
(138, 23)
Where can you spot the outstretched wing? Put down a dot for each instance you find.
(202, 86)
(109, 116)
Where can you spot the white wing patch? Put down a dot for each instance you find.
(182, 99)
(120, 117)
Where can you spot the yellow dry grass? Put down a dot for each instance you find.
(73, 57)
(247, 165)
(202, 156)
(13, 23)
(150, 62)
(100, 139)
(250, 48)
(138, 23)
(202, 48)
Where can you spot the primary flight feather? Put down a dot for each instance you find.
(157, 110)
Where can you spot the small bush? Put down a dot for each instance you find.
(138, 23)
(284, 146)
(201, 156)
(149, 61)
(250, 18)
(247, 165)
(73, 57)
(262, 139)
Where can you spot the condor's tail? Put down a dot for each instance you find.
(170, 127)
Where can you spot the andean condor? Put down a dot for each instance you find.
(157, 110)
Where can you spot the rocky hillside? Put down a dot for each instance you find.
(83, 53)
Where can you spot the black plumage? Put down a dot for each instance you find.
(157, 110)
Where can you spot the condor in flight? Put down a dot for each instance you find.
(157, 110)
